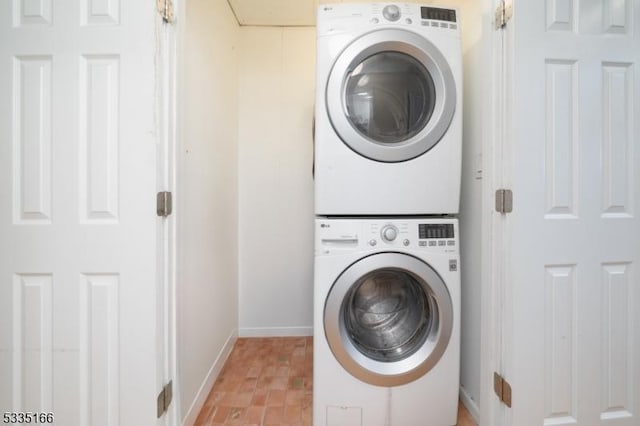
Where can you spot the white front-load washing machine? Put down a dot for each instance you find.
(388, 133)
(386, 322)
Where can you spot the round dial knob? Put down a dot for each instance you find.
(391, 12)
(389, 233)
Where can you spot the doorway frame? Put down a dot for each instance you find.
(494, 258)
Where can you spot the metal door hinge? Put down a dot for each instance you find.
(164, 204)
(504, 12)
(502, 388)
(164, 398)
(504, 201)
(165, 8)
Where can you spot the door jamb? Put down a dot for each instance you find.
(494, 229)
(167, 175)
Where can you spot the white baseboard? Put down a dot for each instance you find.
(472, 406)
(210, 379)
(276, 331)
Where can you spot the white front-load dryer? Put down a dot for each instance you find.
(388, 135)
(386, 322)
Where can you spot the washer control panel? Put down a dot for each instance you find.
(357, 234)
(425, 234)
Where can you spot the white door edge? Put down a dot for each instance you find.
(166, 127)
(493, 232)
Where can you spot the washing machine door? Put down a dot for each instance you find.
(388, 319)
(391, 95)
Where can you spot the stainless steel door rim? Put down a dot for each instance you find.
(424, 52)
(422, 351)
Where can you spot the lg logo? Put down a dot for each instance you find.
(325, 225)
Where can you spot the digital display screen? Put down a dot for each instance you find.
(438, 14)
(428, 231)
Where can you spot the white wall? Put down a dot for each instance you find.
(276, 99)
(471, 203)
(207, 284)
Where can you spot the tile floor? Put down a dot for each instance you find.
(268, 381)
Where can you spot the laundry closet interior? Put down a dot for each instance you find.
(540, 116)
(260, 76)
(157, 167)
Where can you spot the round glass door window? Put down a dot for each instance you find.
(388, 318)
(389, 97)
(388, 315)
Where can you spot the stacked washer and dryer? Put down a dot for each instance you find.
(388, 142)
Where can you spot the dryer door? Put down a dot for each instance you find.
(391, 95)
(388, 319)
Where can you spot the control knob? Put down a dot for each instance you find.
(389, 233)
(391, 12)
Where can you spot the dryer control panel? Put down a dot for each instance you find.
(345, 17)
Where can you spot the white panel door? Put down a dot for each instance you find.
(572, 334)
(77, 212)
